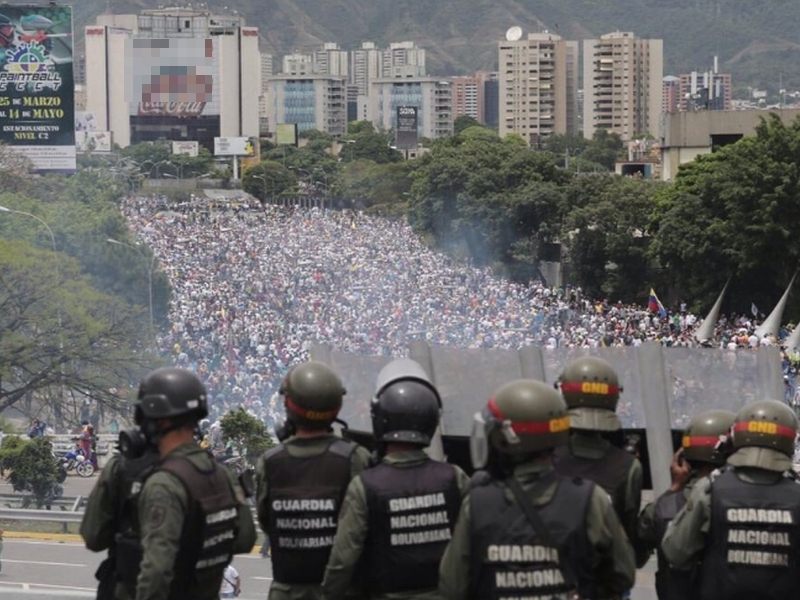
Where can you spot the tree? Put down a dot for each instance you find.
(369, 145)
(734, 213)
(249, 435)
(463, 122)
(383, 187)
(604, 149)
(268, 179)
(32, 467)
(61, 340)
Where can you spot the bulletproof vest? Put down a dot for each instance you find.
(752, 548)
(671, 584)
(127, 545)
(412, 513)
(210, 528)
(609, 472)
(304, 498)
(508, 558)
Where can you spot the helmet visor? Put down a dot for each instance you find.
(479, 442)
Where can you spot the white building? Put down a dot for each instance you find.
(331, 60)
(366, 64)
(403, 59)
(297, 64)
(312, 102)
(432, 97)
(179, 74)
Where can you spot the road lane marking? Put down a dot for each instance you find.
(49, 564)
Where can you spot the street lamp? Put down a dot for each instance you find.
(32, 216)
(264, 181)
(149, 275)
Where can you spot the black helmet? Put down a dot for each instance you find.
(707, 437)
(766, 424)
(313, 395)
(171, 394)
(523, 417)
(406, 406)
(591, 390)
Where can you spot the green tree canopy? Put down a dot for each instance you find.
(268, 179)
(463, 122)
(734, 213)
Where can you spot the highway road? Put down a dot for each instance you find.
(52, 569)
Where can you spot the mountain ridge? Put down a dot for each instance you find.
(758, 44)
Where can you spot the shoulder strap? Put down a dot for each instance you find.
(342, 447)
(543, 532)
(275, 450)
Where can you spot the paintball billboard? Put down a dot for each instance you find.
(37, 90)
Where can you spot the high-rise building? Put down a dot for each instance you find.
(266, 69)
(179, 74)
(403, 59)
(331, 60)
(491, 98)
(312, 102)
(467, 96)
(670, 94)
(705, 91)
(366, 64)
(432, 97)
(538, 86)
(622, 79)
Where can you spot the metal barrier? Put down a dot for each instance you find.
(52, 516)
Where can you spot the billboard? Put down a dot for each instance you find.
(187, 148)
(85, 121)
(37, 90)
(172, 77)
(406, 128)
(286, 134)
(93, 142)
(233, 146)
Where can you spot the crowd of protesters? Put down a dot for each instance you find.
(255, 287)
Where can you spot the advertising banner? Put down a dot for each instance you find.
(85, 121)
(187, 148)
(286, 134)
(37, 90)
(406, 129)
(171, 77)
(93, 142)
(233, 146)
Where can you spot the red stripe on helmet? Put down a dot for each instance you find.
(764, 427)
(313, 415)
(690, 441)
(549, 426)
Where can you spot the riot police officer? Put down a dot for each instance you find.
(591, 390)
(398, 516)
(109, 518)
(743, 522)
(705, 445)
(523, 530)
(191, 514)
(302, 481)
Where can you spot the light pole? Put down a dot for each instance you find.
(32, 216)
(149, 276)
(263, 179)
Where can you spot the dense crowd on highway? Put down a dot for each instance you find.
(255, 287)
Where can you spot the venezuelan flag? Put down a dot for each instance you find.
(654, 304)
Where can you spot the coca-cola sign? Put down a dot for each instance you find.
(172, 109)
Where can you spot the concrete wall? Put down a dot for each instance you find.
(686, 135)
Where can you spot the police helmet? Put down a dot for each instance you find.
(406, 406)
(171, 394)
(312, 394)
(766, 424)
(707, 436)
(591, 390)
(522, 417)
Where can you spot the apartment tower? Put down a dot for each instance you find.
(623, 81)
(538, 86)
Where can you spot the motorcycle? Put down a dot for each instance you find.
(74, 460)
